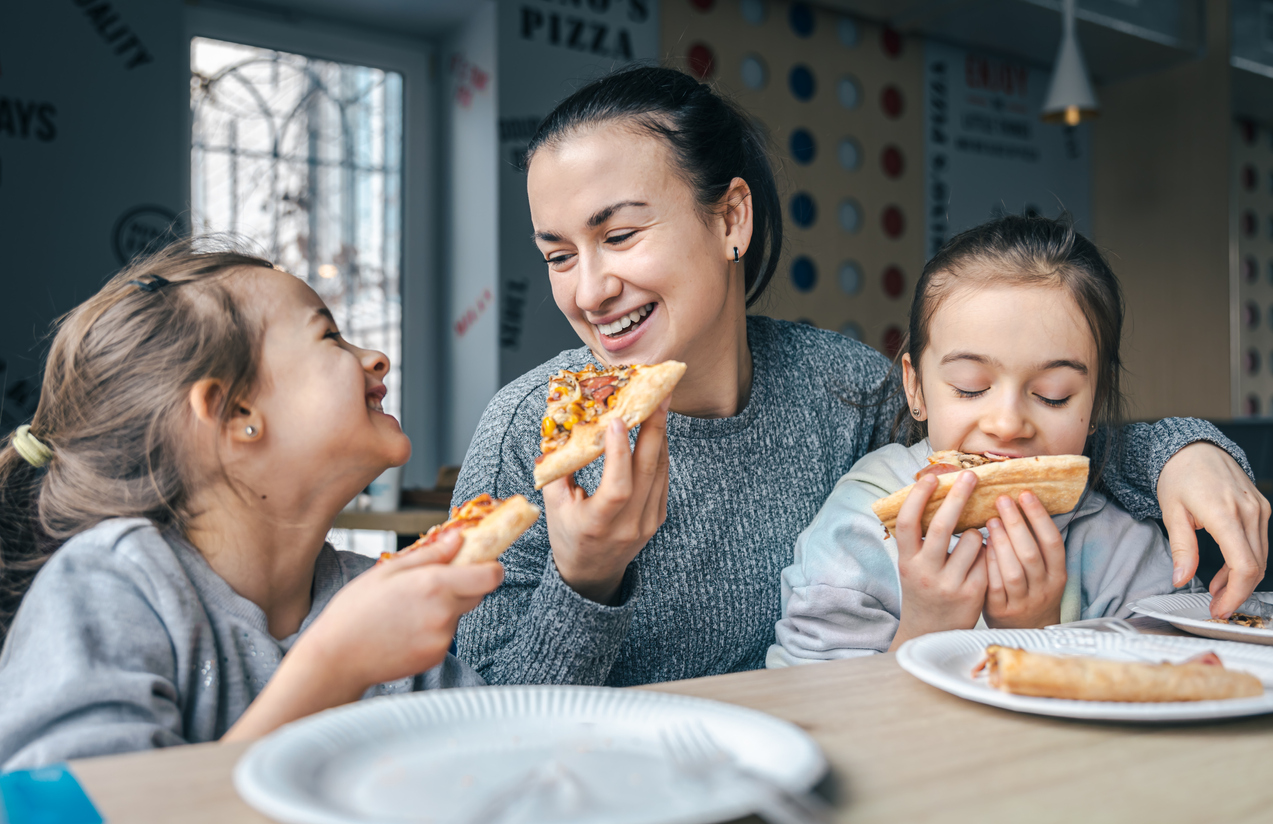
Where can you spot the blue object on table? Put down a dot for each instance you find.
(46, 796)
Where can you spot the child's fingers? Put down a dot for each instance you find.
(1024, 546)
(996, 596)
(908, 528)
(1050, 542)
(943, 524)
(965, 554)
(1010, 571)
(440, 551)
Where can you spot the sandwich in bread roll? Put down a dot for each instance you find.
(1056, 480)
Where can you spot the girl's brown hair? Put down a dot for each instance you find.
(113, 407)
(1029, 251)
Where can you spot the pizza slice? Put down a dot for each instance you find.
(488, 526)
(581, 405)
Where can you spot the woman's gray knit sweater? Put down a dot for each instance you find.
(702, 597)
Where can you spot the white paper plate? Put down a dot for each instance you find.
(443, 756)
(1192, 612)
(946, 659)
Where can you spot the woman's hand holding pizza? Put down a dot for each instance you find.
(940, 590)
(595, 537)
(1025, 565)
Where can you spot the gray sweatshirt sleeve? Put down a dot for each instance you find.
(841, 597)
(1141, 452)
(534, 629)
(75, 683)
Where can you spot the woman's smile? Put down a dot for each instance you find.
(621, 330)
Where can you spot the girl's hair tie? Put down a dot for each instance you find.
(154, 284)
(30, 447)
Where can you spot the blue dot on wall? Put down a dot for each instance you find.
(753, 72)
(803, 147)
(801, 19)
(851, 330)
(851, 279)
(804, 275)
(801, 82)
(754, 11)
(804, 211)
(850, 155)
(848, 31)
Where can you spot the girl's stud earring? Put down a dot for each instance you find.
(735, 254)
(915, 412)
(250, 431)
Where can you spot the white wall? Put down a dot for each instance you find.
(472, 229)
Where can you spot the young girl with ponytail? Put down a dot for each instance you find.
(164, 577)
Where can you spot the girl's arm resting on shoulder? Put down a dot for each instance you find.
(88, 669)
(1144, 449)
(535, 629)
(840, 596)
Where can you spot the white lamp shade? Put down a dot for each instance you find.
(1070, 93)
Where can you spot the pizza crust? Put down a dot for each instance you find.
(634, 403)
(1057, 481)
(497, 531)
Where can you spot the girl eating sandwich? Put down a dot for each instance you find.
(201, 423)
(1012, 352)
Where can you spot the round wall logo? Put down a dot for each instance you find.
(144, 227)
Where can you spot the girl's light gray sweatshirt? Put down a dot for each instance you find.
(128, 640)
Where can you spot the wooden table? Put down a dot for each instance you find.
(900, 751)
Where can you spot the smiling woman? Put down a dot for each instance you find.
(655, 208)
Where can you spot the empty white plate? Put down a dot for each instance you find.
(560, 754)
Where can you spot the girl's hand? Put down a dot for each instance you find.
(395, 620)
(1026, 570)
(940, 590)
(595, 538)
(1202, 487)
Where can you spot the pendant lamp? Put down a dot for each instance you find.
(1070, 97)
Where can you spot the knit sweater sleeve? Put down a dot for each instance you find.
(534, 629)
(1142, 450)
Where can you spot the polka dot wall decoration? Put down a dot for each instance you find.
(842, 98)
(1251, 361)
(893, 221)
(1250, 269)
(804, 210)
(891, 101)
(754, 73)
(804, 274)
(849, 153)
(1249, 223)
(849, 92)
(801, 18)
(894, 282)
(803, 147)
(1251, 314)
(801, 82)
(1250, 178)
(702, 61)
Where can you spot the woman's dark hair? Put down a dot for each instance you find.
(1029, 251)
(113, 409)
(713, 141)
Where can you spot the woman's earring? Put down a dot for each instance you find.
(915, 412)
(250, 431)
(735, 254)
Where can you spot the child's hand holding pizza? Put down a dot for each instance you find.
(1025, 565)
(940, 590)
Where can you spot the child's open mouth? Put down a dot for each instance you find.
(375, 399)
(626, 324)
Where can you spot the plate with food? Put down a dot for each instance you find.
(1101, 676)
(525, 754)
(1191, 612)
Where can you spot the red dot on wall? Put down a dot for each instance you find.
(1248, 223)
(894, 222)
(701, 60)
(892, 161)
(1250, 178)
(1250, 269)
(1252, 362)
(894, 282)
(891, 41)
(1252, 405)
(1249, 131)
(891, 101)
(892, 341)
(1252, 313)
(703, 5)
